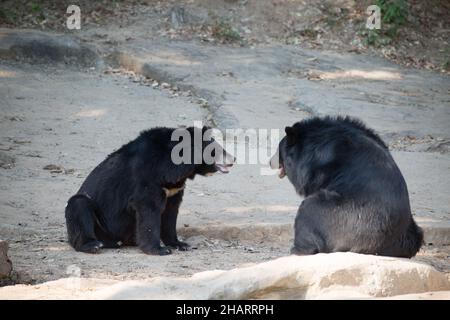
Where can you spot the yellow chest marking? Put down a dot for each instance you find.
(173, 191)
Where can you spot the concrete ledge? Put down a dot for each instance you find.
(163, 72)
(283, 232)
(435, 232)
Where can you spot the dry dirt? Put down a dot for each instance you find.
(57, 124)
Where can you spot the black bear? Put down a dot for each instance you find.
(132, 197)
(356, 198)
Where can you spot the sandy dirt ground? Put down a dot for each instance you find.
(71, 120)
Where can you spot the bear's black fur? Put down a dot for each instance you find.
(133, 196)
(355, 196)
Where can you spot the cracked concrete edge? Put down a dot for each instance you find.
(45, 48)
(436, 233)
(279, 233)
(217, 116)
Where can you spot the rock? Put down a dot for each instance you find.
(322, 276)
(53, 168)
(6, 161)
(44, 47)
(336, 275)
(5, 263)
(180, 16)
(313, 75)
(197, 242)
(440, 146)
(177, 17)
(69, 171)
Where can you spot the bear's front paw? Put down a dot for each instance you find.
(181, 246)
(158, 251)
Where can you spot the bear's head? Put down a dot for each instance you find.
(295, 157)
(286, 151)
(311, 152)
(197, 147)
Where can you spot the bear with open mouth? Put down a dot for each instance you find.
(356, 198)
(133, 196)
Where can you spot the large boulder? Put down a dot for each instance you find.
(336, 276)
(321, 276)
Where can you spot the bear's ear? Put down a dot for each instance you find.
(290, 135)
(289, 131)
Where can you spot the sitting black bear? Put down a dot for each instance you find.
(355, 196)
(132, 197)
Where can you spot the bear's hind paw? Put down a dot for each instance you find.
(91, 247)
